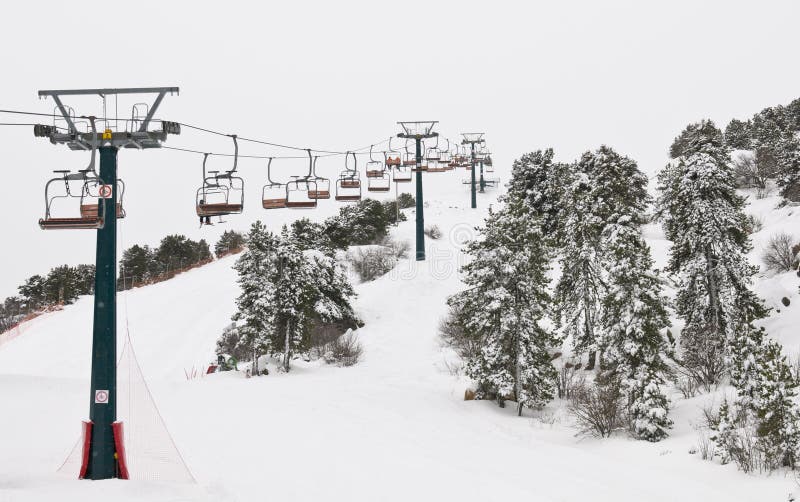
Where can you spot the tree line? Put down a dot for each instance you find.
(771, 139)
(139, 265)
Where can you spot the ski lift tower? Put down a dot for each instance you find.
(484, 154)
(100, 452)
(419, 131)
(472, 138)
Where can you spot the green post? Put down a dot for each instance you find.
(420, 214)
(472, 173)
(103, 398)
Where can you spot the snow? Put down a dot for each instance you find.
(393, 427)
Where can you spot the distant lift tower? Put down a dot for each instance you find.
(99, 446)
(419, 131)
(472, 138)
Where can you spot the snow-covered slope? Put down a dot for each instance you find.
(393, 427)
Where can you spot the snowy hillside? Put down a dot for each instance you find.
(393, 427)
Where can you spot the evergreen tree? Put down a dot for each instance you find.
(703, 217)
(137, 266)
(738, 135)
(85, 279)
(311, 235)
(634, 314)
(773, 131)
(542, 184)
(777, 409)
(503, 305)
(286, 293)
(61, 286)
(294, 297)
(364, 223)
(255, 316)
(32, 293)
(606, 187)
(230, 241)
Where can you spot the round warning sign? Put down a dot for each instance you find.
(106, 191)
(101, 397)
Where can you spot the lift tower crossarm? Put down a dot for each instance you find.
(139, 138)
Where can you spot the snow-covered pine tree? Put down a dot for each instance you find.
(738, 135)
(332, 290)
(254, 315)
(542, 184)
(774, 138)
(777, 410)
(634, 314)
(310, 288)
(604, 184)
(505, 300)
(703, 217)
(294, 297)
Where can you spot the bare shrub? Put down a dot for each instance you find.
(598, 408)
(753, 224)
(687, 385)
(399, 249)
(373, 262)
(433, 231)
(454, 368)
(755, 171)
(454, 336)
(778, 255)
(344, 351)
(569, 379)
(705, 446)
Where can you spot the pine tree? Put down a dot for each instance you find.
(773, 130)
(777, 409)
(606, 187)
(542, 184)
(503, 305)
(286, 292)
(255, 314)
(634, 314)
(704, 218)
(230, 241)
(738, 135)
(294, 297)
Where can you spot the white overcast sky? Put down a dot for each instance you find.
(567, 74)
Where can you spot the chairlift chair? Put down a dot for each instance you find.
(382, 184)
(84, 185)
(298, 193)
(392, 161)
(445, 158)
(409, 159)
(389, 160)
(375, 168)
(400, 173)
(348, 186)
(322, 185)
(273, 195)
(221, 194)
(91, 210)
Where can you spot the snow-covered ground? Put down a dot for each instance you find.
(393, 427)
